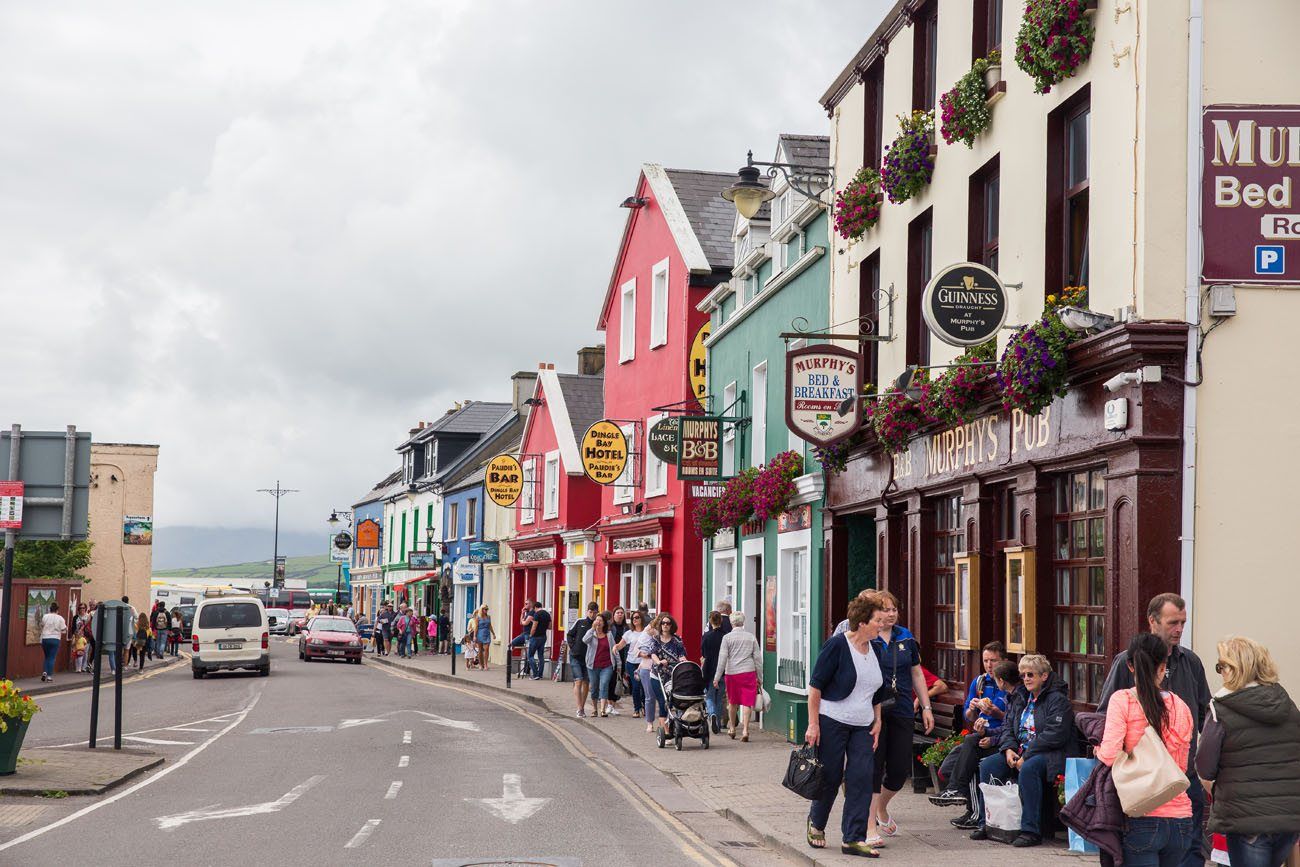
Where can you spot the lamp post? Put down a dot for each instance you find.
(277, 580)
(334, 520)
(749, 193)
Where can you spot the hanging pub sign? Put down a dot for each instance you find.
(604, 452)
(965, 304)
(662, 439)
(504, 480)
(699, 456)
(368, 534)
(699, 365)
(821, 393)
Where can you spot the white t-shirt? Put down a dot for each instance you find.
(857, 709)
(632, 639)
(53, 626)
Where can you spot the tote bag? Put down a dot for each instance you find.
(1148, 777)
(1001, 810)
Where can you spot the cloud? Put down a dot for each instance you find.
(270, 237)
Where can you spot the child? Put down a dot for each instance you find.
(471, 650)
(432, 630)
(79, 653)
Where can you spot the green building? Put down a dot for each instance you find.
(772, 572)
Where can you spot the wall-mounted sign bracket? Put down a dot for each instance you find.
(866, 325)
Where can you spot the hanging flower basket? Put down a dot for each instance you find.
(857, 206)
(774, 485)
(706, 519)
(736, 505)
(964, 111)
(1034, 367)
(897, 418)
(1055, 39)
(959, 393)
(908, 165)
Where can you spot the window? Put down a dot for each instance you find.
(545, 581)
(625, 484)
(408, 466)
(639, 582)
(949, 541)
(1021, 610)
(627, 322)
(986, 32)
(528, 496)
(869, 313)
(471, 518)
(1068, 156)
(430, 457)
(792, 602)
(966, 602)
(656, 471)
(873, 114)
(728, 431)
(724, 579)
(659, 305)
(982, 215)
(453, 520)
(758, 417)
(925, 35)
(919, 246)
(1079, 575)
(551, 486)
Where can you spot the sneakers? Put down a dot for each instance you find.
(1025, 840)
(582, 714)
(980, 833)
(966, 822)
(949, 798)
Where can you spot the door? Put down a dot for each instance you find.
(754, 594)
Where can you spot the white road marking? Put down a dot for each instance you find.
(452, 723)
(353, 723)
(403, 761)
(512, 805)
(147, 781)
(393, 788)
(406, 737)
(170, 823)
(81, 743)
(157, 741)
(184, 729)
(362, 835)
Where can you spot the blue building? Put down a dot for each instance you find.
(365, 571)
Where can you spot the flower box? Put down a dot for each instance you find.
(993, 76)
(11, 743)
(995, 93)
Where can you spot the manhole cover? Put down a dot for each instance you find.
(17, 816)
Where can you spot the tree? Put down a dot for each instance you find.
(50, 558)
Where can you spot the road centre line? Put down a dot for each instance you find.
(362, 835)
(147, 781)
(393, 788)
(406, 737)
(403, 761)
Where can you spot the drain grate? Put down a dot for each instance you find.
(17, 816)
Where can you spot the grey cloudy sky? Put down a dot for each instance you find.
(271, 236)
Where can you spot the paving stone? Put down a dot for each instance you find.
(76, 771)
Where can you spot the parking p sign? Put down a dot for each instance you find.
(1270, 259)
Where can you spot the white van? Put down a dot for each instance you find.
(230, 632)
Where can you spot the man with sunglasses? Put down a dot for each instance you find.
(1185, 678)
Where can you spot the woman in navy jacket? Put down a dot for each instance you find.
(844, 725)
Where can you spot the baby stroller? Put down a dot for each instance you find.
(684, 698)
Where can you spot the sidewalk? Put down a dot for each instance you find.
(742, 782)
(67, 680)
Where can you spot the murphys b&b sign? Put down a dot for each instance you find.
(818, 382)
(1250, 214)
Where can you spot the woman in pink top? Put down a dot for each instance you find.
(1162, 837)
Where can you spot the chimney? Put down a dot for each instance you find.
(591, 360)
(522, 385)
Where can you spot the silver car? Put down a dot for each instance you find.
(278, 621)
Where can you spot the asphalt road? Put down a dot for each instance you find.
(329, 763)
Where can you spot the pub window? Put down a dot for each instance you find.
(949, 543)
(920, 235)
(1022, 621)
(1068, 147)
(869, 313)
(1079, 579)
(966, 601)
(925, 35)
(983, 210)
(873, 81)
(986, 34)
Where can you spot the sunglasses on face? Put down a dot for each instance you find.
(1027, 675)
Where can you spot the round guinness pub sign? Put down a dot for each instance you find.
(965, 304)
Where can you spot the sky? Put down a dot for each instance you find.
(271, 237)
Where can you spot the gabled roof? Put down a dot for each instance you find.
(381, 488)
(710, 215)
(503, 438)
(587, 394)
(584, 396)
(814, 149)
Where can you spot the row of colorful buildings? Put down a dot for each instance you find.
(1048, 530)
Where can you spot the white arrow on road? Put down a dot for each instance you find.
(512, 805)
(171, 823)
(450, 723)
(352, 723)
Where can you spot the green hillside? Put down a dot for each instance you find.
(317, 569)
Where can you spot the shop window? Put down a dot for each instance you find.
(986, 32)
(792, 603)
(639, 582)
(570, 610)
(1022, 620)
(545, 581)
(869, 313)
(949, 544)
(724, 580)
(1079, 582)
(873, 128)
(966, 602)
(983, 215)
(925, 56)
(1068, 159)
(920, 237)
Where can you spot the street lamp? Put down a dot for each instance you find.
(276, 492)
(334, 520)
(749, 193)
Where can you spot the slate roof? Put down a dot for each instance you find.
(381, 489)
(504, 437)
(711, 216)
(815, 149)
(585, 398)
(474, 417)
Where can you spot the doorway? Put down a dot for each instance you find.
(752, 587)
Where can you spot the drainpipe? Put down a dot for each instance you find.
(1191, 373)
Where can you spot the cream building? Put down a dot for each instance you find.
(121, 486)
(1105, 169)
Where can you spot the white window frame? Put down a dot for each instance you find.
(471, 518)
(545, 592)
(728, 432)
(659, 305)
(551, 486)
(724, 565)
(793, 603)
(625, 484)
(627, 321)
(528, 496)
(758, 415)
(656, 471)
(453, 520)
(408, 466)
(639, 582)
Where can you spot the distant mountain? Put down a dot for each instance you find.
(191, 547)
(317, 569)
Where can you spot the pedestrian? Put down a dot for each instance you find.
(652, 695)
(618, 627)
(710, 646)
(632, 662)
(53, 628)
(445, 637)
(899, 655)
(141, 643)
(1161, 837)
(79, 652)
(484, 635)
(431, 629)
(162, 627)
(177, 630)
(520, 641)
(724, 608)
(575, 640)
(844, 724)
(1185, 678)
(601, 659)
(534, 661)
(384, 628)
(740, 667)
(1250, 754)
(975, 714)
(666, 650)
(1037, 736)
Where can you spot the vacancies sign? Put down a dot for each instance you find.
(818, 380)
(604, 452)
(965, 304)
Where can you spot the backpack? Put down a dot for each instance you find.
(577, 632)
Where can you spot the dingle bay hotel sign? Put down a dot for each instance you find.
(965, 304)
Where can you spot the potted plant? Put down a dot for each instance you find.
(857, 206)
(1054, 40)
(964, 111)
(992, 70)
(16, 711)
(897, 418)
(908, 165)
(954, 398)
(736, 505)
(774, 485)
(934, 754)
(1034, 367)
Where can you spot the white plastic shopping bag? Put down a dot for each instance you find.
(1001, 810)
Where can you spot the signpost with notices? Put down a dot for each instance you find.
(11, 505)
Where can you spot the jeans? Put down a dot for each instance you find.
(401, 644)
(711, 704)
(1197, 852)
(160, 644)
(845, 753)
(535, 661)
(638, 694)
(601, 679)
(519, 641)
(1260, 850)
(1032, 778)
(1154, 842)
(653, 692)
(51, 648)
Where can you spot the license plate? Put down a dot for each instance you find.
(336, 653)
(230, 645)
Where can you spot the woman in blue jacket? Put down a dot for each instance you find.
(844, 724)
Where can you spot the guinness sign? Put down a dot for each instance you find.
(965, 304)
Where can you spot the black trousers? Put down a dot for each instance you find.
(893, 763)
(968, 753)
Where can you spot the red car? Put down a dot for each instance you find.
(329, 638)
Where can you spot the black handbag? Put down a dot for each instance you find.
(805, 774)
